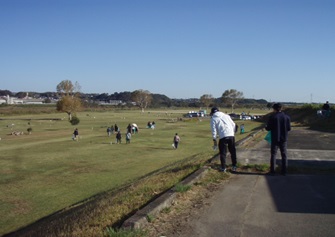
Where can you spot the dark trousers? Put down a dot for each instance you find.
(283, 151)
(223, 144)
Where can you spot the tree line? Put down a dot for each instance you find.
(67, 91)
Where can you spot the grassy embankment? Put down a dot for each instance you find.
(46, 172)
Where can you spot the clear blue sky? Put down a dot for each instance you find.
(278, 50)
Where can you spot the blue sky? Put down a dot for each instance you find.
(278, 50)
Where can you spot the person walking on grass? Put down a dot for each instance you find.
(109, 131)
(118, 137)
(223, 126)
(279, 124)
(75, 135)
(176, 140)
(128, 137)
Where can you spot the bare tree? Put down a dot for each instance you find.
(142, 98)
(231, 98)
(206, 100)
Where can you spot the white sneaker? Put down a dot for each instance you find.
(234, 168)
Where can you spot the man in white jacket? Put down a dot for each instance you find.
(224, 127)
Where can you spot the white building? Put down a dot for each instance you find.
(13, 100)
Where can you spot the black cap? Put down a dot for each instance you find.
(213, 110)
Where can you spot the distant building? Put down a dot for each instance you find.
(112, 102)
(14, 100)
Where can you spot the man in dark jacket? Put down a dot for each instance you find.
(279, 124)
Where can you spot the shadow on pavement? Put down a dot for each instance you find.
(303, 193)
(315, 165)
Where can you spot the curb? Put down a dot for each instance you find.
(140, 218)
(252, 135)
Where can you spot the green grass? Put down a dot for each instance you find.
(180, 188)
(46, 171)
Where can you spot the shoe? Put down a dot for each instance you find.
(222, 170)
(234, 169)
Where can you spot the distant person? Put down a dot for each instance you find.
(116, 128)
(109, 131)
(176, 140)
(129, 128)
(134, 128)
(223, 126)
(128, 137)
(242, 129)
(279, 124)
(75, 134)
(118, 137)
(326, 110)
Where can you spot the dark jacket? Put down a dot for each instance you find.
(279, 124)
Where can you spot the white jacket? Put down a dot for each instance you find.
(222, 125)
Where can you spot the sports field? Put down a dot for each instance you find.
(47, 171)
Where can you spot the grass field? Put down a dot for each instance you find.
(47, 171)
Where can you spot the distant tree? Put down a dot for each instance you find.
(21, 94)
(142, 98)
(47, 101)
(5, 93)
(69, 102)
(231, 98)
(65, 87)
(206, 100)
(102, 97)
(123, 96)
(159, 100)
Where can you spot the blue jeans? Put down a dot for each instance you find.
(223, 144)
(283, 151)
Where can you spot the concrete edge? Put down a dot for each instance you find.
(249, 137)
(140, 218)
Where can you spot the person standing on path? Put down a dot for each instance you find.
(224, 127)
(279, 124)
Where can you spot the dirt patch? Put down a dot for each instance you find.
(174, 221)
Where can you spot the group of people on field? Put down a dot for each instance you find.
(131, 129)
(223, 130)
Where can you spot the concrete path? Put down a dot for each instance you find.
(261, 205)
(258, 205)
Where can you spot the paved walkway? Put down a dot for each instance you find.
(260, 205)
